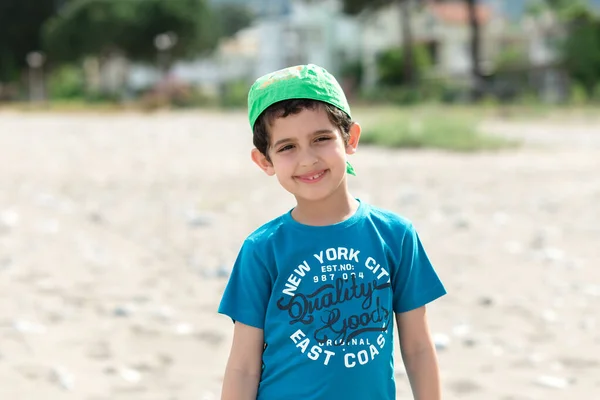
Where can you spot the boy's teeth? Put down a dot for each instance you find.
(313, 177)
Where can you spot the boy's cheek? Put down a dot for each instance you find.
(276, 167)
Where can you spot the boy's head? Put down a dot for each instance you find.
(303, 130)
(290, 91)
(261, 135)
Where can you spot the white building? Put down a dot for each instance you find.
(305, 32)
(442, 27)
(300, 31)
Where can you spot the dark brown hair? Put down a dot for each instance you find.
(282, 109)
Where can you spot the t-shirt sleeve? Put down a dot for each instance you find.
(247, 293)
(415, 282)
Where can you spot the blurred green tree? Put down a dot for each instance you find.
(389, 60)
(233, 17)
(98, 27)
(20, 25)
(581, 50)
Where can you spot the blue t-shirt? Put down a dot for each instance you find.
(325, 297)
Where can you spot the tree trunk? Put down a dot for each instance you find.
(477, 75)
(407, 43)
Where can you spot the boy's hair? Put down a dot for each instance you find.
(282, 109)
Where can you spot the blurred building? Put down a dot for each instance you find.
(443, 28)
(291, 32)
(286, 32)
(546, 75)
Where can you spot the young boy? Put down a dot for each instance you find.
(314, 292)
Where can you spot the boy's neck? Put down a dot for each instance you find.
(334, 209)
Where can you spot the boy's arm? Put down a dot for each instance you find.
(418, 354)
(242, 374)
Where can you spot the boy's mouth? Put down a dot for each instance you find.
(312, 177)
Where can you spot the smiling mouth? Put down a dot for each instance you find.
(313, 177)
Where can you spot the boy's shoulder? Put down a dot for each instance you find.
(388, 216)
(266, 231)
(389, 223)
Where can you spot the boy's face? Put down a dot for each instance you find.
(308, 154)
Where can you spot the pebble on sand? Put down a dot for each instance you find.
(130, 375)
(441, 341)
(552, 382)
(28, 327)
(9, 218)
(62, 377)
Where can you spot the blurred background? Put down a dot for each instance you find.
(126, 186)
(205, 52)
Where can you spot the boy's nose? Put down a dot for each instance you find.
(308, 158)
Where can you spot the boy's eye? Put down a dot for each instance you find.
(323, 138)
(284, 148)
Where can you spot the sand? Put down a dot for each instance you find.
(117, 233)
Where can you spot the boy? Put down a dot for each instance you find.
(313, 294)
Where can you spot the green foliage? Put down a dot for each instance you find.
(535, 7)
(66, 82)
(9, 66)
(428, 91)
(233, 17)
(596, 94)
(578, 95)
(581, 50)
(390, 62)
(20, 22)
(354, 7)
(447, 131)
(92, 27)
(512, 57)
(566, 9)
(353, 71)
(397, 95)
(234, 94)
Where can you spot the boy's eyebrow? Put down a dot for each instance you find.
(315, 133)
(320, 131)
(281, 141)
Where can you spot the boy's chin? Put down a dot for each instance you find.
(312, 197)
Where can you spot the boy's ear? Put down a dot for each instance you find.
(264, 164)
(352, 145)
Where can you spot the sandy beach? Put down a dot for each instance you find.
(118, 231)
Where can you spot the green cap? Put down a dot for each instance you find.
(298, 82)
